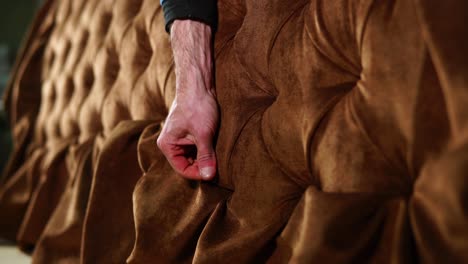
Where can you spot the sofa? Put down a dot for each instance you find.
(343, 136)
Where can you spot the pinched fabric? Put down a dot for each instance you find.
(343, 137)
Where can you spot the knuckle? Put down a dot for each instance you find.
(161, 142)
(205, 157)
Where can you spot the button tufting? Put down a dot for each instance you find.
(65, 52)
(104, 22)
(78, 49)
(88, 77)
(111, 67)
(68, 126)
(140, 51)
(51, 58)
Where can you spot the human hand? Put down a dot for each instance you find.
(187, 135)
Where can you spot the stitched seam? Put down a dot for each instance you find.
(363, 30)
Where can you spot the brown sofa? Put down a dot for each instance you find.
(343, 137)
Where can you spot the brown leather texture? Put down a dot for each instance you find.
(343, 136)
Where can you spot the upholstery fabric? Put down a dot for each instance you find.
(343, 136)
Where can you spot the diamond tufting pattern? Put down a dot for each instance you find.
(342, 136)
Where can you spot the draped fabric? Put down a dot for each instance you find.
(343, 136)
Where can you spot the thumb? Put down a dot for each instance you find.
(206, 159)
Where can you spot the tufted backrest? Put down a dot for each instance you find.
(105, 61)
(85, 67)
(295, 73)
(341, 138)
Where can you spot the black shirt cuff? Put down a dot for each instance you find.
(200, 10)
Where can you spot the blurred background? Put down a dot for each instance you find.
(15, 17)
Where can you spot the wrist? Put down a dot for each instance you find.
(193, 97)
(194, 80)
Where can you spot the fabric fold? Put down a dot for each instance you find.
(60, 241)
(52, 182)
(115, 174)
(342, 136)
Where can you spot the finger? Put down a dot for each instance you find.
(206, 159)
(178, 158)
(186, 169)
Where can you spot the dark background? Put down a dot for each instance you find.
(15, 17)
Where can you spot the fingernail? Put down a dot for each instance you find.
(207, 172)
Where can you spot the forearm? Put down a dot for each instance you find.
(191, 46)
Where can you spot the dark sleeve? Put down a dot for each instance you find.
(200, 10)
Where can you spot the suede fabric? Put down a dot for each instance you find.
(343, 136)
